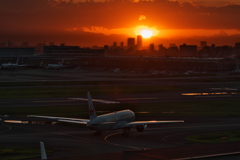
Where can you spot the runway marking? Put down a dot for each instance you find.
(115, 144)
(96, 100)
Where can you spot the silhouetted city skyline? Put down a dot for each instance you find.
(133, 47)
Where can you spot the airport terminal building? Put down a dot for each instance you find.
(71, 51)
(16, 52)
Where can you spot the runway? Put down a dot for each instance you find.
(69, 142)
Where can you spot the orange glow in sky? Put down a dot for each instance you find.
(101, 22)
(146, 31)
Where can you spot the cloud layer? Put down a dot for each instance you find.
(59, 17)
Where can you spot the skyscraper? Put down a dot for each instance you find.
(131, 43)
(203, 44)
(151, 47)
(114, 44)
(139, 41)
(121, 44)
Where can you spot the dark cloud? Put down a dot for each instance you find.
(115, 14)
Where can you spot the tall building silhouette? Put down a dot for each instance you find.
(188, 50)
(151, 47)
(203, 44)
(114, 44)
(121, 44)
(131, 43)
(139, 41)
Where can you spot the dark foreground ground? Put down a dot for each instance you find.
(188, 152)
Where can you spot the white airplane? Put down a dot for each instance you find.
(10, 65)
(124, 119)
(55, 66)
(13, 65)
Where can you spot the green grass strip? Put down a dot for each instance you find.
(216, 137)
(19, 153)
(207, 108)
(73, 91)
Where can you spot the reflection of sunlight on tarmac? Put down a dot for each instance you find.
(13, 121)
(208, 93)
(30, 122)
(220, 91)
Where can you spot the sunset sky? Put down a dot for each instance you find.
(99, 22)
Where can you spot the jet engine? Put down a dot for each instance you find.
(141, 128)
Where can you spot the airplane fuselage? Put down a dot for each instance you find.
(9, 65)
(54, 66)
(111, 121)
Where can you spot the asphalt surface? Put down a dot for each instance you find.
(70, 142)
(158, 142)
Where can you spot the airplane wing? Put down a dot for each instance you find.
(64, 119)
(130, 124)
(154, 122)
(133, 124)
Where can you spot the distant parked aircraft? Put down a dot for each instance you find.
(11, 65)
(55, 66)
(124, 119)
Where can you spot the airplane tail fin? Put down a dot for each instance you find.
(43, 152)
(92, 111)
(17, 61)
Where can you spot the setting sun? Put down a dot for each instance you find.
(146, 33)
